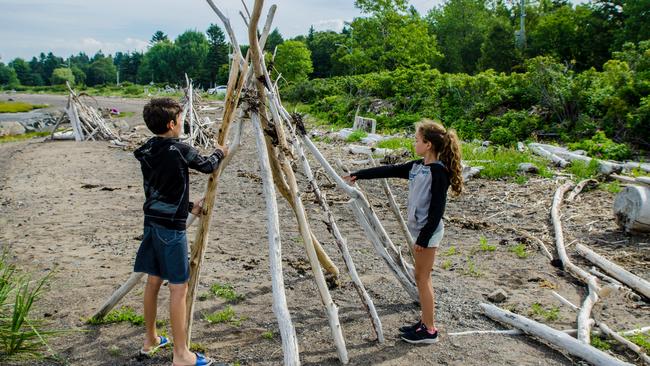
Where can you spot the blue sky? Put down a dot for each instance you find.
(65, 27)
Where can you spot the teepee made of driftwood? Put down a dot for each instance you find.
(199, 132)
(86, 122)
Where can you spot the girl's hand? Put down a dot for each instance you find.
(197, 209)
(418, 248)
(350, 179)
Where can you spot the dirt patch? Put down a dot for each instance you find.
(76, 209)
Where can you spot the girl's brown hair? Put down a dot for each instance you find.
(446, 144)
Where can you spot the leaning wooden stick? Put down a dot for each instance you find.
(280, 308)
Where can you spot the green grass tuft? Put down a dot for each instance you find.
(17, 107)
(398, 143)
(25, 136)
(503, 162)
(581, 170)
(519, 250)
(268, 335)
(226, 315)
(485, 246)
(548, 314)
(357, 136)
(600, 343)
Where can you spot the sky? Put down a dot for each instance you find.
(67, 27)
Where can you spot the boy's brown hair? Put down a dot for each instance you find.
(158, 112)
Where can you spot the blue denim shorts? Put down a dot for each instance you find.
(163, 253)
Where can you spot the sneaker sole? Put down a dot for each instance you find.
(421, 341)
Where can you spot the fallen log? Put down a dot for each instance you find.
(631, 280)
(560, 340)
(632, 209)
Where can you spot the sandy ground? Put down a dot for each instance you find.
(75, 209)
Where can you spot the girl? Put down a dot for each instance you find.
(429, 178)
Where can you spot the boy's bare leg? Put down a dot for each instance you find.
(182, 354)
(151, 290)
(423, 263)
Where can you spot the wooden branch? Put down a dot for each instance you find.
(579, 187)
(631, 280)
(280, 308)
(126, 287)
(584, 325)
(565, 301)
(551, 336)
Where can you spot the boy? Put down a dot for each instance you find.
(164, 161)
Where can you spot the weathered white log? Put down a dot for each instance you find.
(632, 208)
(604, 166)
(541, 151)
(638, 350)
(332, 226)
(366, 150)
(629, 165)
(584, 325)
(280, 308)
(63, 135)
(631, 280)
(642, 181)
(558, 339)
(470, 172)
(567, 331)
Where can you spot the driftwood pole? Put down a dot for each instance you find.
(280, 308)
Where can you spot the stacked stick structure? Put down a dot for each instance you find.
(87, 124)
(200, 132)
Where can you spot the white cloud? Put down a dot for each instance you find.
(329, 24)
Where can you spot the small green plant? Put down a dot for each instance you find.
(357, 136)
(446, 264)
(451, 251)
(267, 335)
(398, 143)
(600, 343)
(485, 246)
(472, 270)
(20, 334)
(521, 179)
(226, 292)
(114, 351)
(612, 187)
(642, 340)
(549, 314)
(226, 315)
(502, 162)
(581, 170)
(519, 250)
(197, 347)
(122, 315)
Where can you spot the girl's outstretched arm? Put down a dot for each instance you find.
(386, 171)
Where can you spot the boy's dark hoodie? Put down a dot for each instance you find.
(165, 163)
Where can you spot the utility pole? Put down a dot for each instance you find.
(118, 77)
(520, 35)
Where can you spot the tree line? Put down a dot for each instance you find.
(459, 36)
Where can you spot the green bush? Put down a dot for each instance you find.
(599, 146)
(503, 136)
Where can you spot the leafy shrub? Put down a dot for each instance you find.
(600, 146)
(503, 136)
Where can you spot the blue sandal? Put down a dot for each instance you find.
(202, 360)
(163, 342)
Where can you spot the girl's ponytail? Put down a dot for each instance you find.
(450, 155)
(446, 144)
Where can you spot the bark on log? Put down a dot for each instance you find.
(556, 338)
(541, 151)
(631, 280)
(632, 208)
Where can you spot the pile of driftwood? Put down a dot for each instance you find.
(632, 204)
(199, 131)
(86, 122)
(615, 279)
